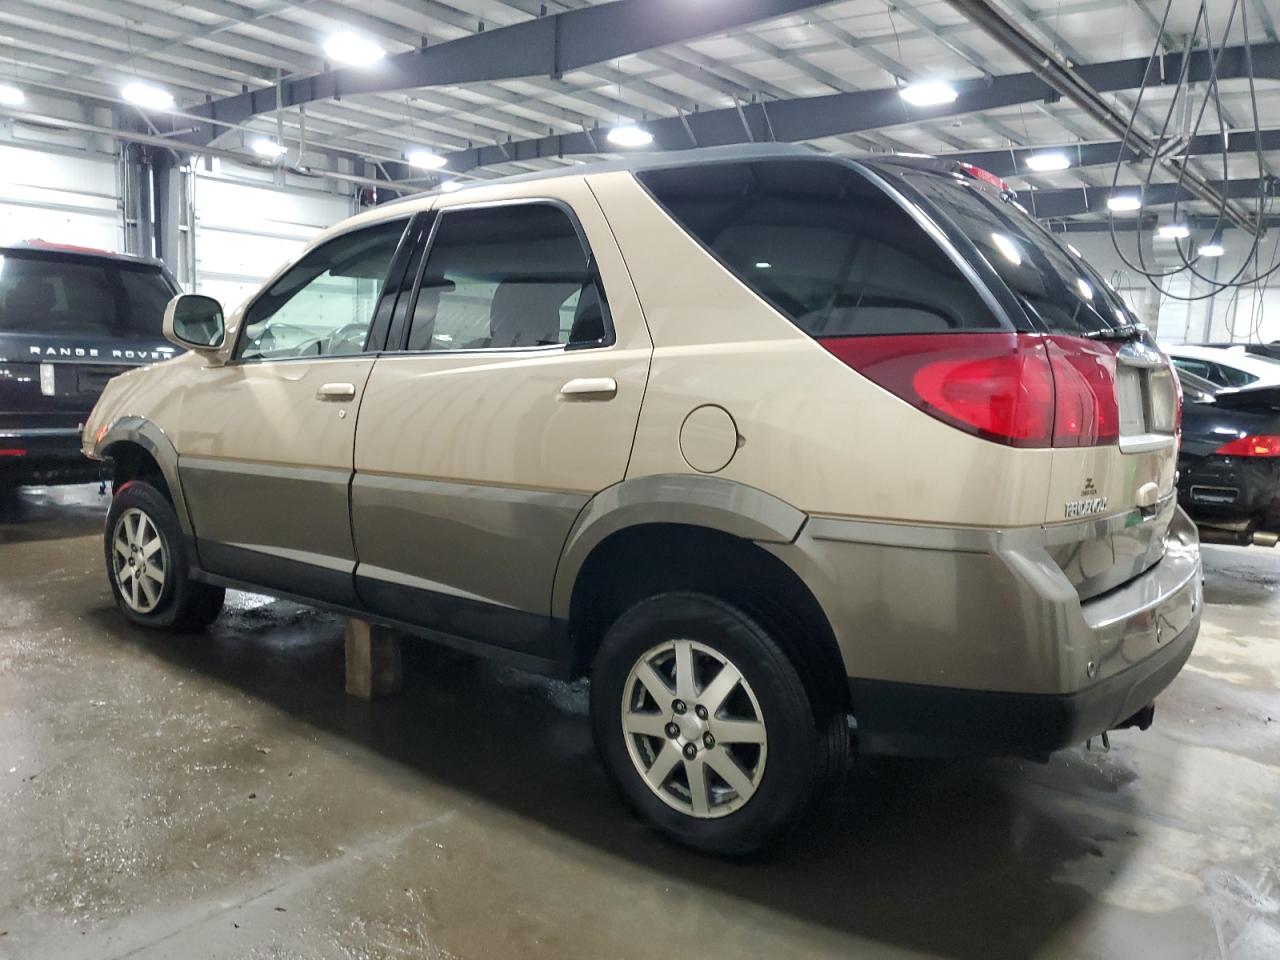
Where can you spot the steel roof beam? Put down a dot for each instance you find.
(1048, 204)
(812, 118)
(544, 46)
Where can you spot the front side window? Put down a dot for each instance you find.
(506, 277)
(323, 305)
(826, 247)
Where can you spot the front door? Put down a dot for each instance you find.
(512, 401)
(265, 451)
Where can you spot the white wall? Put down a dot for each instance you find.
(62, 198)
(1247, 313)
(247, 225)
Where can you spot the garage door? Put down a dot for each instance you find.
(246, 226)
(59, 198)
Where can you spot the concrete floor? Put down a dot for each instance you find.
(219, 796)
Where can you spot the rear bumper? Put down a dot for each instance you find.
(43, 455)
(914, 720)
(951, 638)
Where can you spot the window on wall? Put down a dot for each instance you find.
(507, 277)
(324, 304)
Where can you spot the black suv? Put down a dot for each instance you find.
(71, 318)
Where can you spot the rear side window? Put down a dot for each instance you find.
(1053, 285)
(65, 294)
(825, 246)
(506, 277)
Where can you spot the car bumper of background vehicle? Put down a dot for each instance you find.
(50, 455)
(1223, 490)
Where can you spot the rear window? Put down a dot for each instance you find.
(45, 294)
(1053, 284)
(823, 245)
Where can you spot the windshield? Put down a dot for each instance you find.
(60, 294)
(1054, 285)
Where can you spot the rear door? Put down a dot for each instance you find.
(1111, 496)
(512, 401)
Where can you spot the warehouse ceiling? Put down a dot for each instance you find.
(754, 73)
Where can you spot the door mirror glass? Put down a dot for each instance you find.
(194, 321)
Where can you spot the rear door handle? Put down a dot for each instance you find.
(590, 388)
(336, 392)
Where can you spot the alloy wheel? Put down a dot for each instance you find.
(139, 560)
(694, 728)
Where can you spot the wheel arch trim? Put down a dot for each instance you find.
(155, 442)
(709, 503)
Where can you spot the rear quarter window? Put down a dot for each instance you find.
(42, 293)
(821, 243)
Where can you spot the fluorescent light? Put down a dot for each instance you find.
(1213, 248)
(763, 265)
(352, 49)
(449, 186)
(629, 135)
(145, 95)
(1008, 248)
(265, 147)
(425, 160)
(1124, 203)
(11, 96)
(932, 93)
(1174, 231)
(1048, 162)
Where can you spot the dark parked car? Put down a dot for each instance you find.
(1229, 464)
(71, 318)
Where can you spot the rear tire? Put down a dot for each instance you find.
(718, 761)
(148, 566)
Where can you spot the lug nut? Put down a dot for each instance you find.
(701, 711)
(673, 731)
(690, 751)
(679, 706)
(708, 740)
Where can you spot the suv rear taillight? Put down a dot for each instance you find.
(1252, 446)
(1023, 390)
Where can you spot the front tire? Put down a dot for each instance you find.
(704, 724)
(147, 563)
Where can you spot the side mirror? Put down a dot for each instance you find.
(194, 322)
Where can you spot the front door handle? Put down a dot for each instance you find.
(590, 388)
(336, 392)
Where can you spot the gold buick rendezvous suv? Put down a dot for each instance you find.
(780, 449)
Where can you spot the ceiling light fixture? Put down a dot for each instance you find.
(1048, 162)
(449, 186)
(932, 93)
(353, 49)
(1124, 203)
(265, 147)
(1174, 231)
(629, 135)
(11, 96)
(147, 96)
(1214, 247)
(425, 160)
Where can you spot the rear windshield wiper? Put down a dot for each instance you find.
(1126, 331)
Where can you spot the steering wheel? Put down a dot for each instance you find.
(347, 336)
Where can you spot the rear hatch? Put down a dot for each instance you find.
(69, 322)
(1111, 496)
